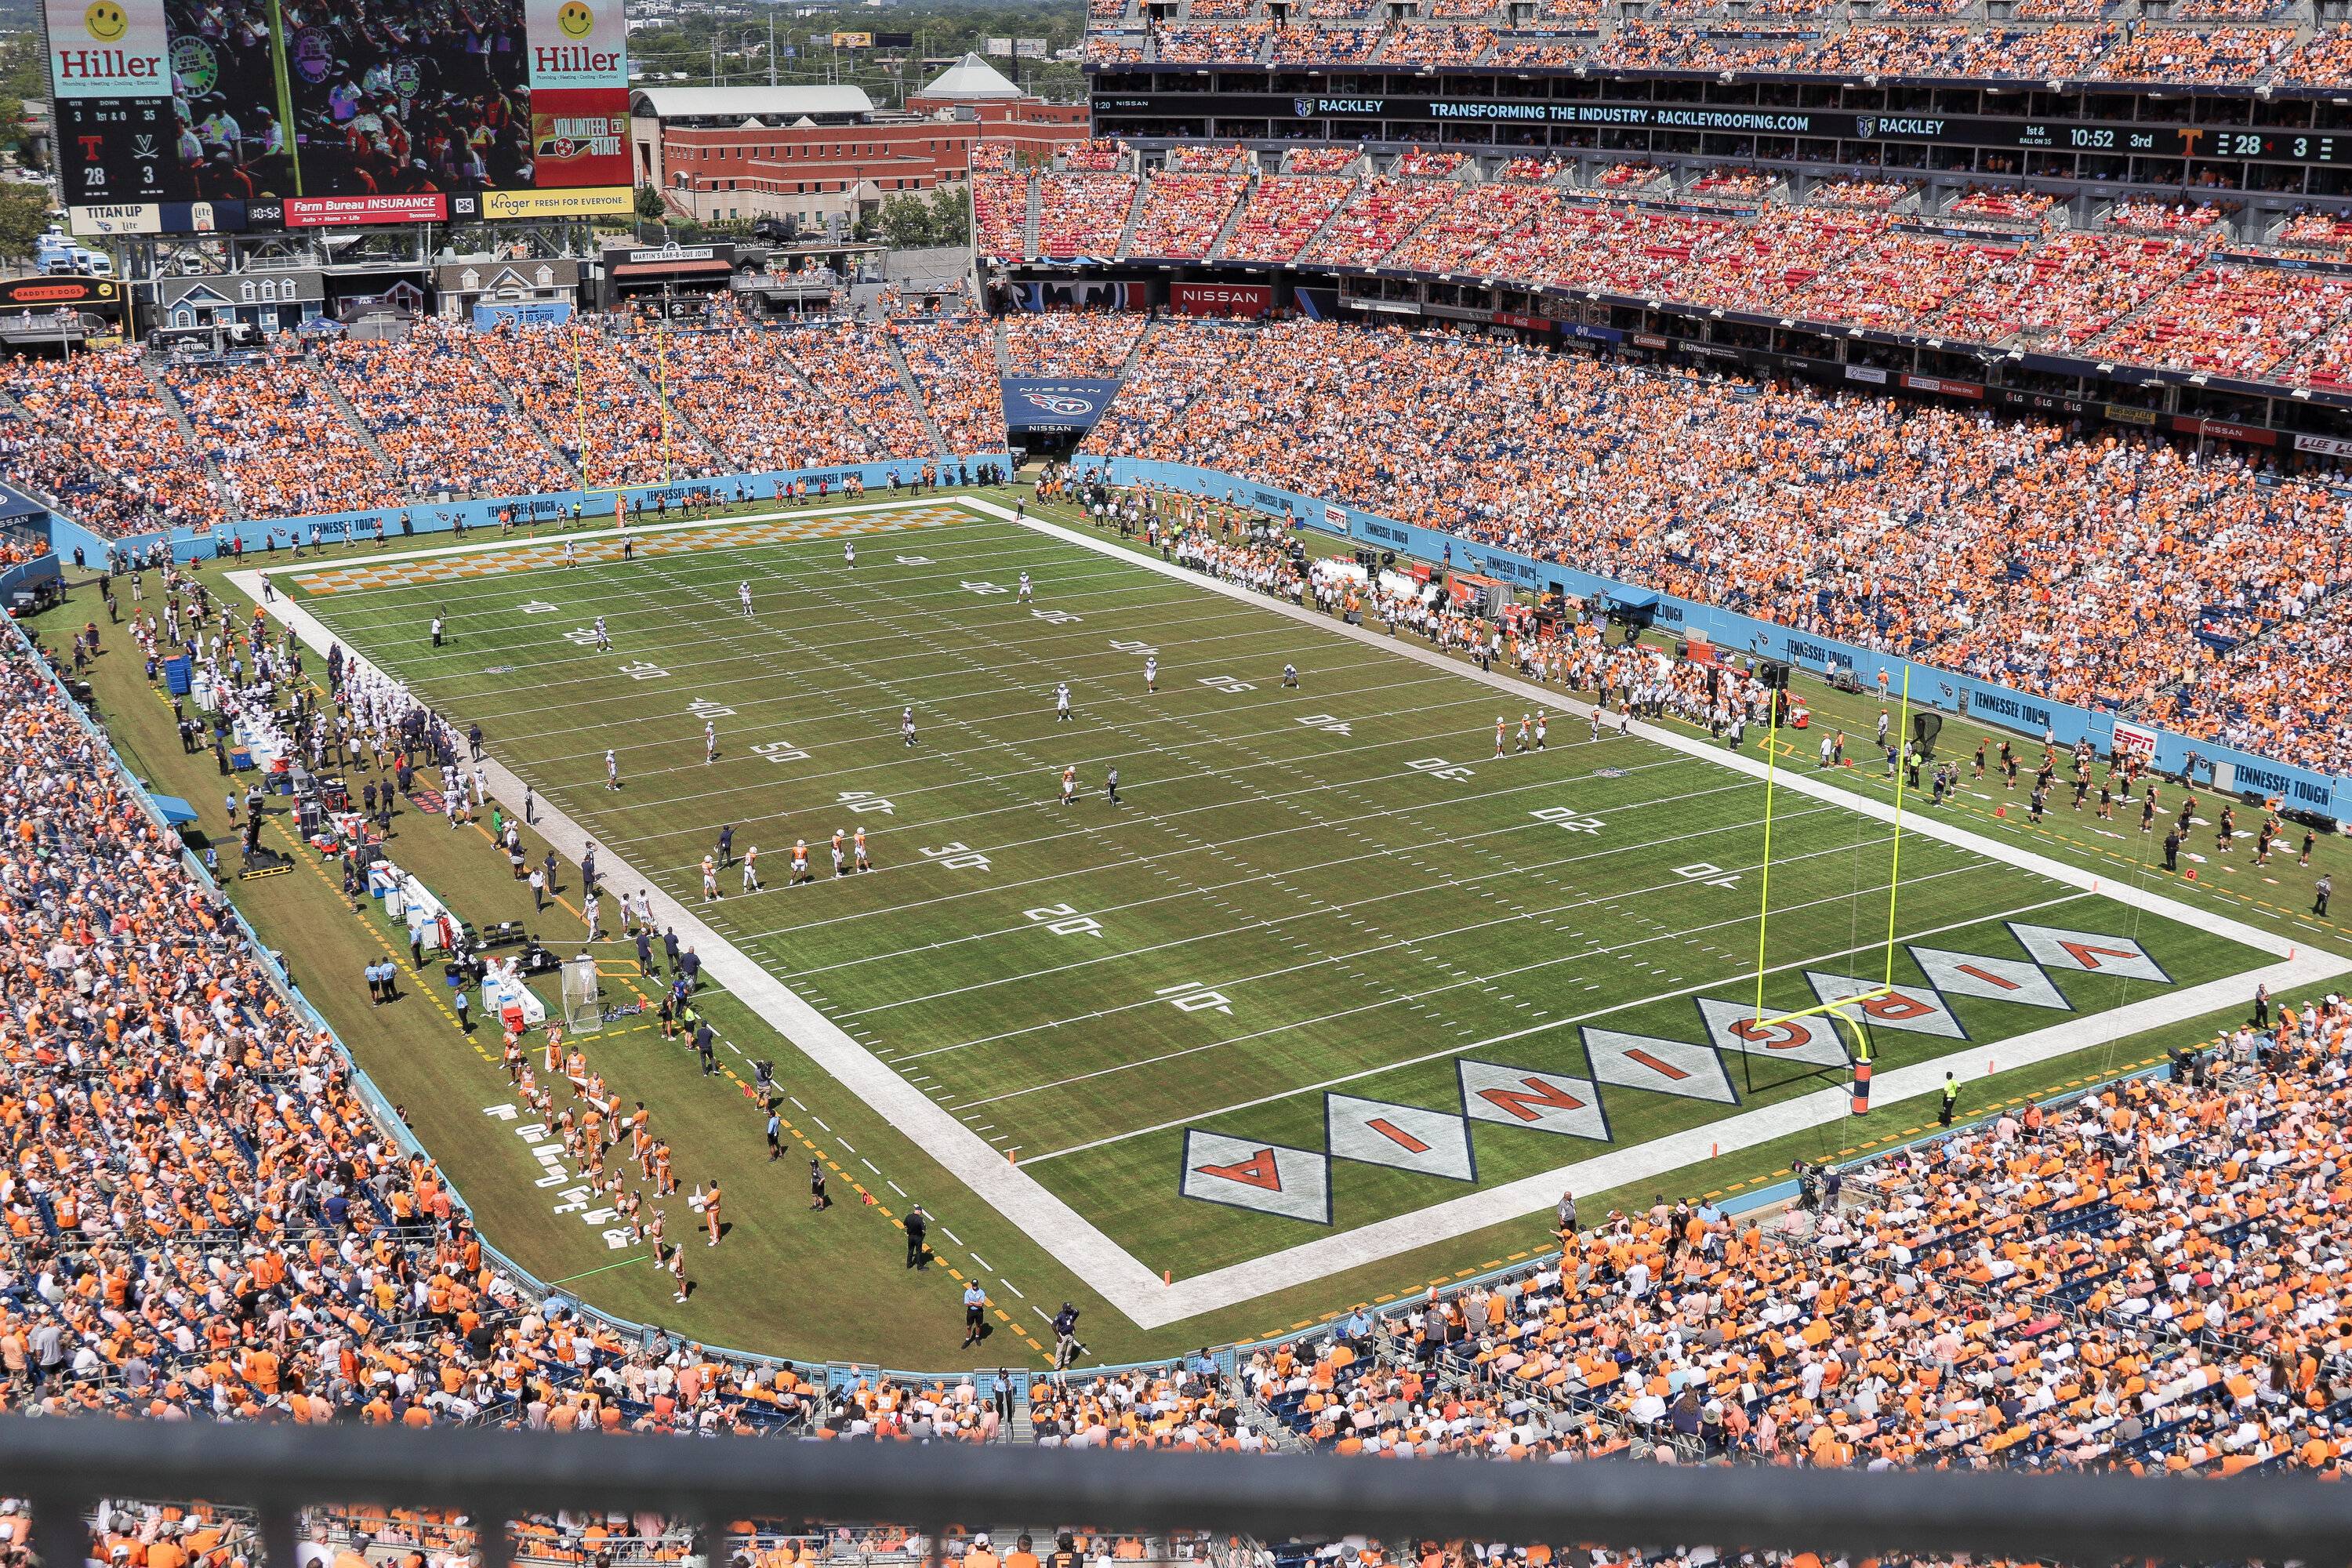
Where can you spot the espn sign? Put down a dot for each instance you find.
(1221, 299)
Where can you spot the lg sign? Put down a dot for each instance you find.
(1221, 299)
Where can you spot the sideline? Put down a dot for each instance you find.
(1137, 1290)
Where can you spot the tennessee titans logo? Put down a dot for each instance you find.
(1866, 126)
(1304, 106)
(1053, 403)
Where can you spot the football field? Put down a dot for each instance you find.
(1329, 976)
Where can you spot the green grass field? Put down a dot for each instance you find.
(1321, 919)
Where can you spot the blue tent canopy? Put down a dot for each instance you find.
(176, 812)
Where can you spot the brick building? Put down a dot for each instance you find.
(809, 152)
(976, 93)
(815, 151)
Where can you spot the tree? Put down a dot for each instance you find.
(23, 214)
(915, 223)
(649, 203)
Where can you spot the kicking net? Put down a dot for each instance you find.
(584, 1011)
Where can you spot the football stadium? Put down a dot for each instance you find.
(1595, 740)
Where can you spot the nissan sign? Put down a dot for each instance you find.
(1221, 299)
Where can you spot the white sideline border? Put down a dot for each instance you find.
(1137, 1290)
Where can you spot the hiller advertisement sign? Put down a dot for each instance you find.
(1221, 299)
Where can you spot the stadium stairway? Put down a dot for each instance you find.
(326, 384)
(1355, 189)
(1134, 214)
(213, 478)
(1407, 237)
(1233, 220)
(1135, 355)
(914, 389)
(1029, 223)
(516, 411)
(1003, 353)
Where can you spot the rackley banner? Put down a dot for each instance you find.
(2150, 140)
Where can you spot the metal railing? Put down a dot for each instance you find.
(63, 1466)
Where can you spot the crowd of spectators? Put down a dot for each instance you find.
(1383, 211)
(1325, 46)
(1100, 156)
(2031, 54)
(1000, 208)
(1183, 214)
(1632, 175)
(1437, 45)
(2084, 570)
(1663, 45)
(1530, 169)
(848, 362)
(1206, 158)
(1731, 187)
(1083, 215)
(282, 446)
(1880, 49)
(91, 432)
(954, 365)
(2167, 218)
(1283, 214)
(1534, 53)
(2233, 321)
(1869, 195)
(2330, 232)
(2191, 54)
(434, 409)
(1460, 238)
(2324, 59)
(1062, 345)
(728, 384)
(1199, 43)
(1427, 163)
(1319, 160)
(584, 393)
(2002, 206)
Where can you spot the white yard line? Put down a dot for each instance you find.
(1133, 1289)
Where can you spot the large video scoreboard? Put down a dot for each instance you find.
(188, 116)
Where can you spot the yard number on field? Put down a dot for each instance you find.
(704, 708)
(642, 671)
(1191, 996)
(914, 560)
(780, 752)
(1056, 617)
(537, 607)
(986, 588)
(1230, 685)
(862, 801)
(1568, 817)
(1063, 919)
(1129, 646)
(956, 858)
(1336, 725)
(1712, 875)
(1439, 768)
